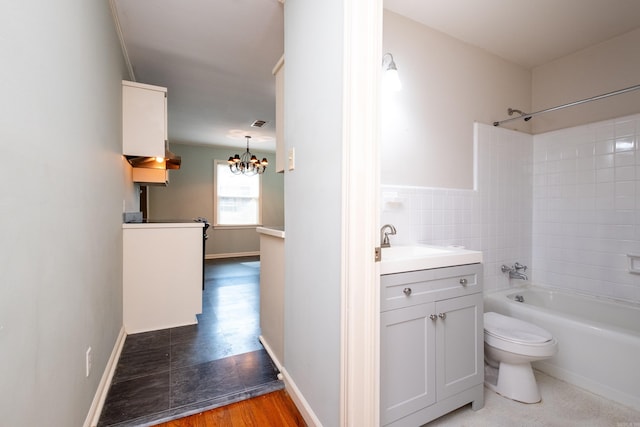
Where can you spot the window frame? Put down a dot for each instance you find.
(216, 223)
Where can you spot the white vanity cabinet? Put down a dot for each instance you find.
(431, 345)
(144, 119)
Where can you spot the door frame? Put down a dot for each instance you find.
(360, 310)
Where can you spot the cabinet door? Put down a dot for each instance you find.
(407, 361)
(144, 120)
(459, 344)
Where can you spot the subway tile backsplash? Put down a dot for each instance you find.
(565, 203)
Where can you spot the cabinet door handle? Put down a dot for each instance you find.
(433, 317)
(442, 315)
(407, 291)
(463, 282)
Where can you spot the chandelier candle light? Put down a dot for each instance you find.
(247, 164)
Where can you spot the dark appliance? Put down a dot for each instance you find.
(204, 241)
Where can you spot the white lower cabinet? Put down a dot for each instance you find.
(161, 275)
(431, 344)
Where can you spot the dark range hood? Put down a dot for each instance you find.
(170, 161)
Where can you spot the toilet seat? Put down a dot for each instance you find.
(514, 330)
(517, 336)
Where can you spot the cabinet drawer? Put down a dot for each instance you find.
(417, 287)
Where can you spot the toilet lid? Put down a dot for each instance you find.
(516, 330)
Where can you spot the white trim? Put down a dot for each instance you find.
(232, 255)
(105, 382)
(272, 355)
(301, 403)
(360, 281)
(123, 46)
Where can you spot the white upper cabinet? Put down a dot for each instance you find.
(278, 72)
(144, 119)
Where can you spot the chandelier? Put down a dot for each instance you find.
(247, 164)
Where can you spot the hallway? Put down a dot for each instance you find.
(171, 373)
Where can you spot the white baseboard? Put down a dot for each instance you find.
(269, 350)
(232, 255)
(301, 403)
(105, 382)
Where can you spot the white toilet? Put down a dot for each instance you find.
(510, 345)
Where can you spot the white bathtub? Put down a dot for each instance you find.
(598, 338)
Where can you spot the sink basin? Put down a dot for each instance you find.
(399, 259)
(399, 252)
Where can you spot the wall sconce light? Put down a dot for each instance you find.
(390, 80)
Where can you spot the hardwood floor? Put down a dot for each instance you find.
(270, 410)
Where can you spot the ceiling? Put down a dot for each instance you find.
(216, 56)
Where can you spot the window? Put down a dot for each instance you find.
(237, 200)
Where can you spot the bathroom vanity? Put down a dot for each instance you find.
(431, 334)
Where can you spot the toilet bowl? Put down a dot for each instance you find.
(510, 345)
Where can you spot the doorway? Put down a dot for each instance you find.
(166, 374)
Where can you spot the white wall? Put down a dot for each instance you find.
(599, 69)
(586, 208)
(190, 195)
(495, 219)
(63, 187)
(313, 193)
(447, 85)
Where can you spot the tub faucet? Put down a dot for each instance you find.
(514, 271)
(384, 235)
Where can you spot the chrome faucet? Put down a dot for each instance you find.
(384, 235)
(514, 271)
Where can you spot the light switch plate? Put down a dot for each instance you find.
(292, 158)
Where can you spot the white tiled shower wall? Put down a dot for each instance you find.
(565, 203)
(495, 218)
(586, 208)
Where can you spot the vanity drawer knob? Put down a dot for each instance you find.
(433, 317)
(442, 315)
(463, 282)
(407, 291)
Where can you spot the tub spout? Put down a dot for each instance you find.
(514, 271)
(517, 275)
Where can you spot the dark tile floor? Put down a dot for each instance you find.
(170, 373)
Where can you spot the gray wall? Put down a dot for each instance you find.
(313, 193)
(61, 199)
(190, 194)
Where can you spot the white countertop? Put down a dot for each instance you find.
(271, 231)
(399, 259)
(148, 225)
